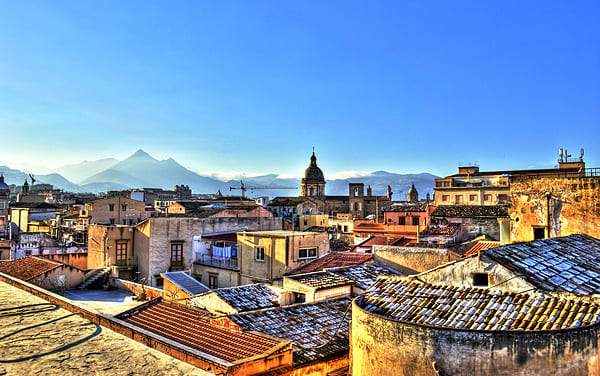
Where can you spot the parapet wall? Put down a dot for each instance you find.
(383, 346)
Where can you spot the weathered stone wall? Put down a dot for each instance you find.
(154, 237)
(410, 260)
(100, 212)
(381, 346)
(225, 277)
(574, 206)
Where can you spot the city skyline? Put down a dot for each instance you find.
(406, 88)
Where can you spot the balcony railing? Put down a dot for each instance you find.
(226, 263)
(125, 261)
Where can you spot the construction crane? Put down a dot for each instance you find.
(244, 188)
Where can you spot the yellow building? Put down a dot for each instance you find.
(313, 220)
(265, 256)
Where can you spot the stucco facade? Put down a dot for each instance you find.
(573, 204)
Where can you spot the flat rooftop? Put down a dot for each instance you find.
(111, 302)
(71, 346)
(280, 233)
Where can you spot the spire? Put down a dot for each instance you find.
(313, 158)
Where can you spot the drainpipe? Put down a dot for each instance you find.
(548, 196)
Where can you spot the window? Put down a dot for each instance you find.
(124, 207)
(402, 221)
(112, 221)
(111, 207)
(121, 253)
(306, 253)
(539, 233)
(480, 279)
(159, 280)
(176, 254)
(446, 198)
(458, 199)
(503, 197)
(472, 197)
(356, 206)
(259, 253)
(487, 197)
(213, 281)
(415, 221)
(345, 228)
(305, 222)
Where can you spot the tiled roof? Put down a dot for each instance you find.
(28, 268)
(331, 260)
(463, 308)
(190, 327)
(248, 297)
(384, 240)
(317, 331)
(408, 207)
(480, 246)
(468, 211)
(321, 280)
(364, 275)
(287, 201)
(447, 229)
(568, 264)
(186, 282)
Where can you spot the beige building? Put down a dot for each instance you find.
(313, 220)
(265, 256)
(473, 187)
(116, 210)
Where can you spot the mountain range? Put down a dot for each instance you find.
(142, 170)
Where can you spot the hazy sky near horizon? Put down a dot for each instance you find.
(252, 86)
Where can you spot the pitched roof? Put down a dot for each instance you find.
(567, 264)
(186, 282)
(464, 308)
(408, 207)
(190, 327)
(248, 297)
(469, 211)
(29, 267)
(321, 280)
(331, 260)
(384, 240)
(317, 331)
(364, 275)
(288, 201)
(447, 229)
(480, 246)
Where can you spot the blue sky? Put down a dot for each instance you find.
(251, 86)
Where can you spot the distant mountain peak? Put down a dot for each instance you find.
(140, 154)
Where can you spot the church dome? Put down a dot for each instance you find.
(313, 172)
(3, 185)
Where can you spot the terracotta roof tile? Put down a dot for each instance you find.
(468, 211)
(480, 246)
(192, 328)
(567, 264)
(384, 240)
(331, 260)
(28, 268)
(447, 229)
(464, 308)
(317, 331)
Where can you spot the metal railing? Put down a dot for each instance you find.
(592, 172)
(227, 263)
(125, 261)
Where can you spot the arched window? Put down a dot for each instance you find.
(356, 206)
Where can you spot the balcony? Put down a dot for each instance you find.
(125, 261)
(219, 262)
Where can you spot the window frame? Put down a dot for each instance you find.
(259, 251)
(308, 256)
(177, 251)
